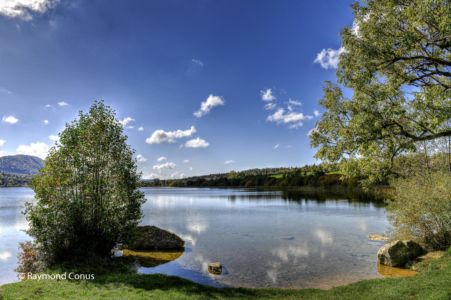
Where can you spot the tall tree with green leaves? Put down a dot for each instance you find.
(87, 196)
(396, 63)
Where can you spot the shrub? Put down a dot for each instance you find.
(421, 209)
(30, 259)
(87, 193)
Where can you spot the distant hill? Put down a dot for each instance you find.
(20, 164)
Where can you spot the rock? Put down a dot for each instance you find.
(149, 238)
(377, 237)
(117, 251)
(215, 268)
(399, 253)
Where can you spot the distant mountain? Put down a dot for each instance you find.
(20, 164)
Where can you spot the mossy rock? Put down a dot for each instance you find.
(152, 238)
(399, 253)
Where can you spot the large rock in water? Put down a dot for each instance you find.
(399, 253)
(153, 238)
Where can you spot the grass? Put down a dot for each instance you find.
(433, 282)
(335, 173)
(277, 176)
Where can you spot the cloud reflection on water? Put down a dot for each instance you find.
(5, 255)
(323, 236)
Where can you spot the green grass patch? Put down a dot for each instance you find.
(277, 176)
(433, 282)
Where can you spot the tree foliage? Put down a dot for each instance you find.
(396, 66)
(87, 193)
(12, 180)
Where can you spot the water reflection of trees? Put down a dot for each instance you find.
(355, 197)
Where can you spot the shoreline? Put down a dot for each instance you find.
(430, 282)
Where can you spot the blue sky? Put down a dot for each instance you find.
(156, 62)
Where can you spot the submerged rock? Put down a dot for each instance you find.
(387, 271)
(152, 258)
(399, 253)
(154, 238)
(377, 237)
(215, 268)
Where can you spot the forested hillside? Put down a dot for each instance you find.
(17, 170)
(20, 164)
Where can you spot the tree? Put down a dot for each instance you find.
(87, 196)
(396, 61)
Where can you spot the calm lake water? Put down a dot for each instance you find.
(262, 238)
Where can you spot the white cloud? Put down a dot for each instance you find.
(270, 106)
(46, 122)
(140, 158)
(276, 146)
(293, 119)
(186, 161)
(208, 104)
(2, 142)
(62, 103)
(292, 104)
(5, 90)
(160, 136)
(48, 106)
(23, 9)
(329, 58)
(10, 119)
(38, 149)
(316, 113)
(177, 174)
(167, 165)
(161, 158)
(54, 138)
(197, 143)
(197, 62)
(124, 122)
(267, 95)
(228, 162)
(140, 128)
(150, 176)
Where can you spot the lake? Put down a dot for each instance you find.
(262, 238)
